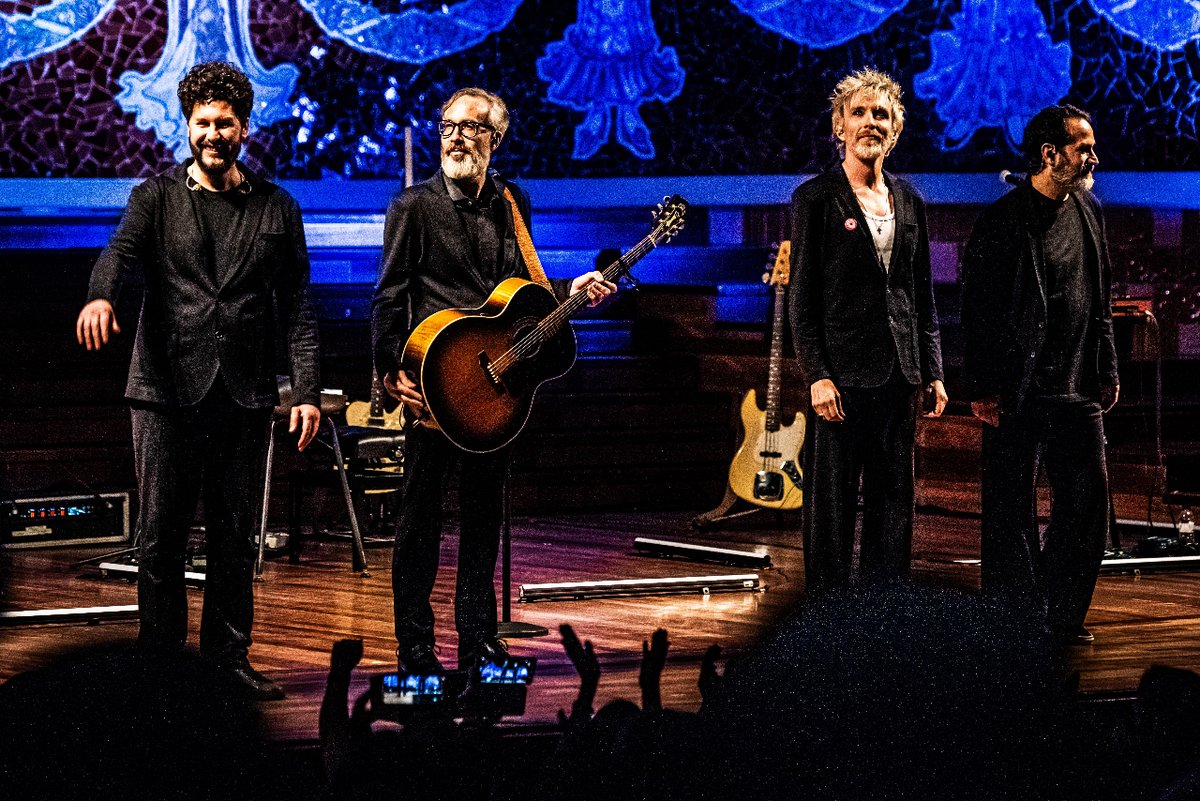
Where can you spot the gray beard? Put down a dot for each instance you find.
(1076, 183)
(470, 167)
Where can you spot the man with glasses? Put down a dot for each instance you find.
(447, 243)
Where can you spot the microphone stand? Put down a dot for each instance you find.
(507, 628)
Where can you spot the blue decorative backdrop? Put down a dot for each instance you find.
(609, 87)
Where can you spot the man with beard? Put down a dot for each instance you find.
(447, 243)
(222, 255)
(866, 336)
(1039, 369)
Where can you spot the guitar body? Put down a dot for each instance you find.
(765, 470)
(451, 351)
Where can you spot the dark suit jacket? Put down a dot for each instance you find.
(851, 319)
(1004, 299)
(194, 324)
(428, 264)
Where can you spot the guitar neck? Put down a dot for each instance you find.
(774, 371)
(376, 396)
(552, 323)
(619, 268)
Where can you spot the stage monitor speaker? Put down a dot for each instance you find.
(1182, 479)
(96, 519)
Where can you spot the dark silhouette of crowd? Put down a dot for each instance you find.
(886, 692)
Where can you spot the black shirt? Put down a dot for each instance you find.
(1060, 372)
(482, 219)
(221, 215)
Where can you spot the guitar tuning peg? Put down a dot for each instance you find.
(766, 278)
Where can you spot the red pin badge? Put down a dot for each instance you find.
(851, 223)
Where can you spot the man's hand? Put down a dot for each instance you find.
(403, 387)
(307, 418)
(938, 390)
(1108, 396)
(96, 322)
(654, 658)
(827, 401)
(594, 284)
(987, 410)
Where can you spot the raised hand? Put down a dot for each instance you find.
(710, 680)
(654, 658)
(583, 657)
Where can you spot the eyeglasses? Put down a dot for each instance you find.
(470, 129)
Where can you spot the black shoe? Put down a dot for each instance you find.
(489, 649)
(1074, 635)
(256, 684)
(418, 659)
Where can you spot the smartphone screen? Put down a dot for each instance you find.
(513, 670)
(412, 689)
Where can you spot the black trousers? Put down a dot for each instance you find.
(1052, 577)
(428, 460)
(875, 444)
(215, 450)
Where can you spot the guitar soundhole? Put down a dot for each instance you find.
(525, 336)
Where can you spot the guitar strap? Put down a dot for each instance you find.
(525, 243)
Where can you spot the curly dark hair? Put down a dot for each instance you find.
(1048, 127)
(216, 80)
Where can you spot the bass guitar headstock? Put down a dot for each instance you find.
(669, 218)
(781, 273)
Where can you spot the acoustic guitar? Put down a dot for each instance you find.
(374, 414)
(764, 470)
(480, 368)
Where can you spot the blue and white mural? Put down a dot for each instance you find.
(995, 68)
(1163, 24)
(199, 31)
(820, 23)
(608, 64)
(48, 27)
(638, 87)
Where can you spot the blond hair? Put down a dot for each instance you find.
(875, 82)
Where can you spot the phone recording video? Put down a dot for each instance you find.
(512, 670)
(412, 689)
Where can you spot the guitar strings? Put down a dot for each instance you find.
(551, 324)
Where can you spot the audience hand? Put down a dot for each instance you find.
(654, 658)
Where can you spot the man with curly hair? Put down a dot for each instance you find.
(222, 255)
(866, 336)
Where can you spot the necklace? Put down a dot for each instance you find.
(878, 222)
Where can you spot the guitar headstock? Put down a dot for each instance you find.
(669, 218)
(781, 273)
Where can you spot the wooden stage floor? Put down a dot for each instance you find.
(302, 609)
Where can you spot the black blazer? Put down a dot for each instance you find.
(851, 319)
(194, 324)
(1004, 299)
(428, 265)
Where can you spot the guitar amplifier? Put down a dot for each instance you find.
(65, 520)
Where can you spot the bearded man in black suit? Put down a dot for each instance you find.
(1040, 368)
(225, 266)
(866, 336)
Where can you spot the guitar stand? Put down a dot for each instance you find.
(507, 628)
(722, 513)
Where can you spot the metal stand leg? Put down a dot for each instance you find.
(262, 523)
(507, 629)
(359, 562)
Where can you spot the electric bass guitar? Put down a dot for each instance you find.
(764, 469)
(478, 369)
(374, 414)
